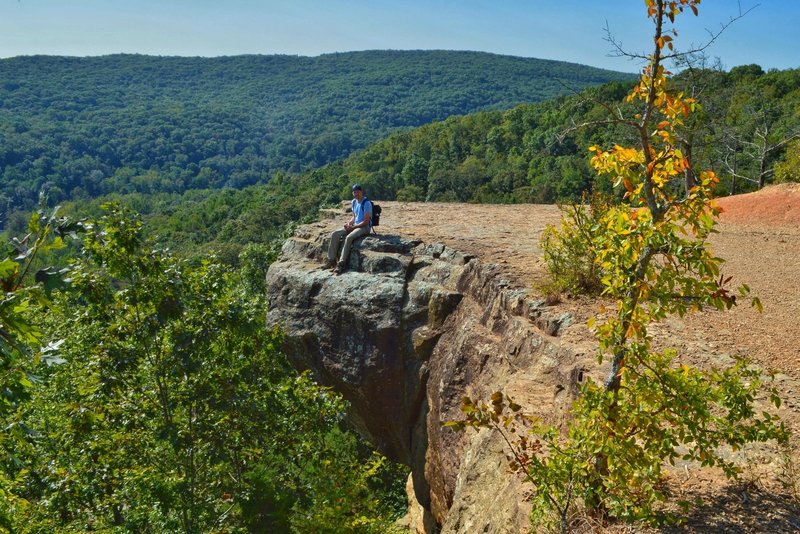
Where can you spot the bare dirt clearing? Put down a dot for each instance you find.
(759, 237)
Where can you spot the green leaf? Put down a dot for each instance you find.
(50, 354)
(8, 268)
(51, 279)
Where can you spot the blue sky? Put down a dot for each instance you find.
(568, 30)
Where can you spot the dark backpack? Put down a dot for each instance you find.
(376, 214)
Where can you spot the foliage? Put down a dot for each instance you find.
(174, 410)
(255, 260)
(652, 252)
(85, 127)
(24, 287)
(789, 169)
(569, 252)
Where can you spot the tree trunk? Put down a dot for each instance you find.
(690, 180)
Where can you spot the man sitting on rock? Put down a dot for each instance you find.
(358, 225)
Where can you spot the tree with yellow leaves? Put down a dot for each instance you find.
(652, 253)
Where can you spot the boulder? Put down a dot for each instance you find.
(404, 334)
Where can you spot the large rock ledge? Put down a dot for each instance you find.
(403, 335)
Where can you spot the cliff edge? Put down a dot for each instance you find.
(432, 309)
(403, 335)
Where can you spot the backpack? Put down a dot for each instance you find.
(376, 214)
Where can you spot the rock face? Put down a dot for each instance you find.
(403, 335)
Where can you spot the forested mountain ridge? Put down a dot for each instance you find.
(125, 123)
(530, 153)
(746, 128)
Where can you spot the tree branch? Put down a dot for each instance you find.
(619, 51)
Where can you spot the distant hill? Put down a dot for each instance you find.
(132, 123)
(520, 155)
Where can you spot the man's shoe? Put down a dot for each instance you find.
(340, 268)
(330, 264)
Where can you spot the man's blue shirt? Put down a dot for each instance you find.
(360, 210)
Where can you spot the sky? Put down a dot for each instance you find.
(566, 30)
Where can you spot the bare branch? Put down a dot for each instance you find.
(560, 136)
(732, 170)
(619, 51)
(790, 138)
(617, 48)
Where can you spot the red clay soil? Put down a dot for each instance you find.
(760, 240)
(775, 205)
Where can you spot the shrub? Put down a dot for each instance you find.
(569, 251)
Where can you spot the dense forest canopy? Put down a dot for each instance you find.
(85, 127)
(531, 153)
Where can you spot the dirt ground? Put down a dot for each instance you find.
(759, 237)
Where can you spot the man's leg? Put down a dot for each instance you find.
(348, 242)
(333, 246)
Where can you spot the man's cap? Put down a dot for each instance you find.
(357, 187)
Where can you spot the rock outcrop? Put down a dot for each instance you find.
(403, 335)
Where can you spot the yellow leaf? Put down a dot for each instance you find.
(627, 185)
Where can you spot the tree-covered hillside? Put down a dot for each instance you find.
(531, 153)
(744, 123)
(123, 123)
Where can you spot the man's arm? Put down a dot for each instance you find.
(349, 224)
(367, 217)
(365, 222)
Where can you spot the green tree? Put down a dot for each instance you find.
(415, 172)
(788, 170)
(174, 410)
(24, 288)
